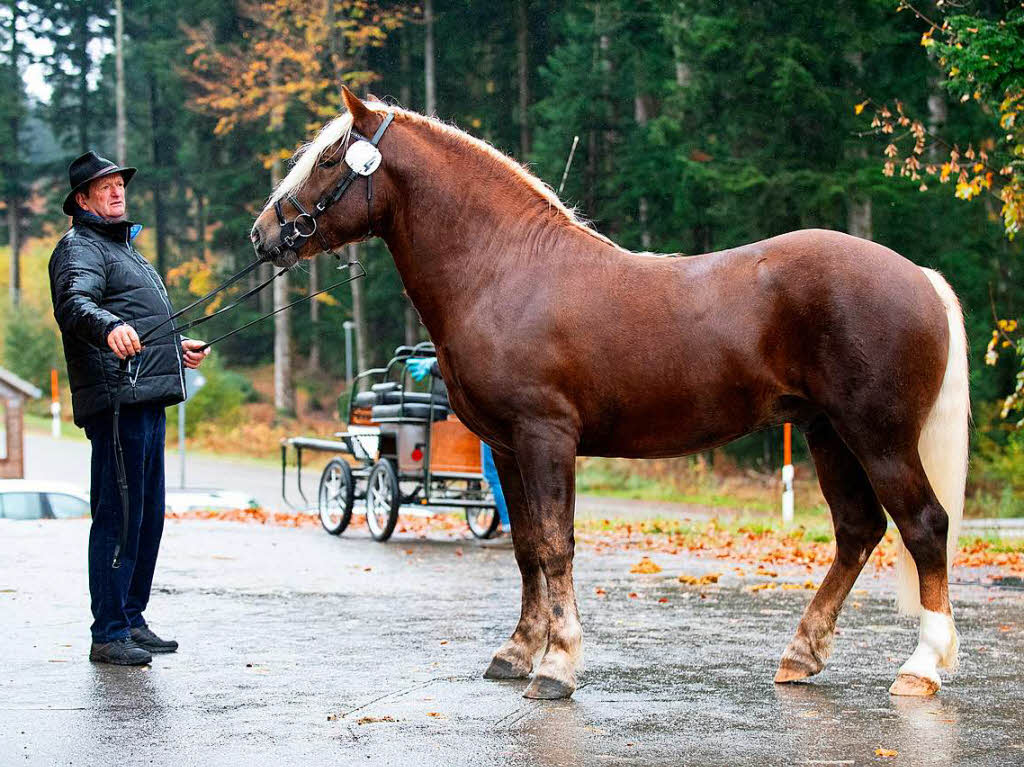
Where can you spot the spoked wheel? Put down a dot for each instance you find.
(334, 500)
(482, 521)
(383, 497)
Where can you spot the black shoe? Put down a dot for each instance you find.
(147, 640)
(120, 652)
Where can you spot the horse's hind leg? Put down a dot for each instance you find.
(514, 659)
(859, 524)
(903, 487)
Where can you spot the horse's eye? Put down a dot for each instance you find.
(329, 163)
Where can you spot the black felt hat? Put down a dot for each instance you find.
(89, 167)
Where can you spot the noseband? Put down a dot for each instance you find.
(362, 158)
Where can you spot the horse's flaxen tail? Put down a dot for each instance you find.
(943, 445)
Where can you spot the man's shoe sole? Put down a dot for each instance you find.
(156, 650)
(119, 662)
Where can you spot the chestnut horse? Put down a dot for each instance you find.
(555, 342)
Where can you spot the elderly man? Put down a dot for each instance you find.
(105, 295)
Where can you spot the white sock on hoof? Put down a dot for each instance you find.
(937, 647)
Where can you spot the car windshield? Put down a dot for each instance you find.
(67, 506)
(21, 505)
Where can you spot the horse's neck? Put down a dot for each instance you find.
(454, 249)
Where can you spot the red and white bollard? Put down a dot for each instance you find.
(54, 404)
(787, 473)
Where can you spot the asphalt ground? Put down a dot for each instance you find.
(298, 648)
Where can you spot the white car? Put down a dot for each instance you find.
(201, 499)
(39, 499)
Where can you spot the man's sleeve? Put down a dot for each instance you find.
(78, 278)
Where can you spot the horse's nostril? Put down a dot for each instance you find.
(255, 236)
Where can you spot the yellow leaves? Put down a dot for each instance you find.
(891, 150)
(645, 566)
(926, 38)
(887, 753)
(860, 107)
(954, 71)
(1007, 326)
(700, 580)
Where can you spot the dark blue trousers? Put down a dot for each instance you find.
(119, 597)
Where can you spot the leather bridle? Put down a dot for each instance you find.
(362, 161)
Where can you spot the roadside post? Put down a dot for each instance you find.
(54, 404)
(787, 473)
(194, 381)
(348, 325)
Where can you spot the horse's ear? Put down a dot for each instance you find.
(355, 106)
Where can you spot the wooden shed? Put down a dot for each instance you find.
(13, 393)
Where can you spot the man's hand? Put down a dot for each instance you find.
(193, 359)
(124, 341)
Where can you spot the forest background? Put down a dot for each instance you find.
(702, 125)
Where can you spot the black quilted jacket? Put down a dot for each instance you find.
(97, 281)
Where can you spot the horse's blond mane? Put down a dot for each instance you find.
(308, 155)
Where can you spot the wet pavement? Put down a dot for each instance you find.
(301, 648)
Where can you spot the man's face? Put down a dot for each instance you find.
(105, 197)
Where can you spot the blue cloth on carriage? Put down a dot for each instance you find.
(420, 367)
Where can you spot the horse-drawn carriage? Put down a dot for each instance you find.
(402, 446)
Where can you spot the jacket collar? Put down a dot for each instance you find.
(122, 230)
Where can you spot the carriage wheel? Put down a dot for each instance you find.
(334, 500)
(383, 497)
(482, 521)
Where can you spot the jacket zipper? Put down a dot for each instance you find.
(167, 302)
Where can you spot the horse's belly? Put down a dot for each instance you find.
(679, 428)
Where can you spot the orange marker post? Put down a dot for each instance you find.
(54, 404)
(787, 473)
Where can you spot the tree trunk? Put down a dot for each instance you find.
(523, 62)
(14, 238)
(859, 213)
(122, 150)
(82, 111)
(641, 113)
(358, 316)
(314, 319)
(159, 214)
(938, 113)
(284, 391)
(12, 196)
(430, 105)
(412, 322)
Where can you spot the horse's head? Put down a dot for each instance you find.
(313, 209)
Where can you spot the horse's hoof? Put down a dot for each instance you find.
(911, 684)
(506, 669)
(547, 688)
(790, 671)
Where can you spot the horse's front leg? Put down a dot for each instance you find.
(514, 659)
(547, 463)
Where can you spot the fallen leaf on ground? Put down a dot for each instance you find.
(699, 580)
(761, 586)
(663, 600)
(766, 572)
(444, 641)
(600, 592)
(435, 714)
(458, 552)
(645, 566)
(374, 719)
(632, 595)
(886, 752)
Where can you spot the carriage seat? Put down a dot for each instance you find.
(419, 411)
(389, 393)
